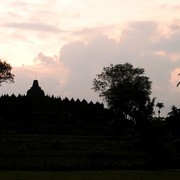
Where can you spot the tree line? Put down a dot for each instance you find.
(49, 114)
(126, 91)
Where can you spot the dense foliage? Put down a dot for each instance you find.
(53, 115)
(23, 114)
(130, 109)
(5, 72)
(126, 90)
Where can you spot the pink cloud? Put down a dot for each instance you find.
(33, 27)
(170, 6)
(72, 73)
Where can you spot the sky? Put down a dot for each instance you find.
(66, 43)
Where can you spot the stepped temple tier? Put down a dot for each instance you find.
(35, 90)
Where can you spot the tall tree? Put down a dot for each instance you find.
(172, 121)
(5, 72)
(160, 106)
(126, 90)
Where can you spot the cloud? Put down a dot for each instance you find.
(84, 61)
(171, 44)
(71, 73)
(50, 72)
(41, 58)
(170, 6)
(48, 67)
(33, 27)
(136, 45)
(20, 4)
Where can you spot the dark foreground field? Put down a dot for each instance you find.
(55, 152)
(75, 153)
(90, 175)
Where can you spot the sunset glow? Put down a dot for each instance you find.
(67, 42)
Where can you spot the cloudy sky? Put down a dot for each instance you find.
(65, 43)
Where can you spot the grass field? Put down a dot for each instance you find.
(90, 175)
(41, 152)
(80, 153)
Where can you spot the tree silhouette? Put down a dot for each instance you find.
(173, 123)
(125, 89)
(175, 111)
(160, 106)
(5, 72)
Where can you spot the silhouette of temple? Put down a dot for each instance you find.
(35, 91)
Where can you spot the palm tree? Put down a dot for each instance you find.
(160, 106)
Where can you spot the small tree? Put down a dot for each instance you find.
(174, 111)
(5, 72)
(126, 91)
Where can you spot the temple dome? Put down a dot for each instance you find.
(35, 90)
